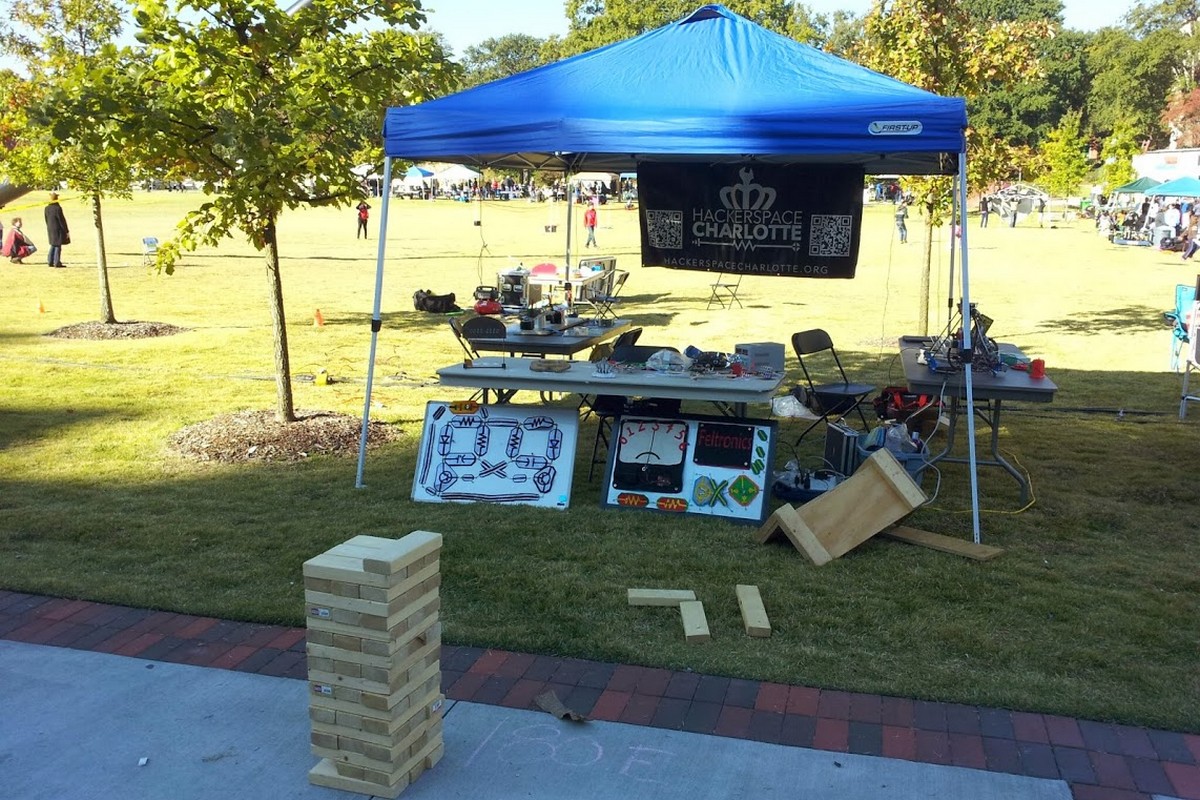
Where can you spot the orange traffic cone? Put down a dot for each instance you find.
(41, 308)
(318, 320)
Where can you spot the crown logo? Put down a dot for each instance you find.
(747, 196)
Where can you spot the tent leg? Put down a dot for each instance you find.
(376, 320)
(970, 384)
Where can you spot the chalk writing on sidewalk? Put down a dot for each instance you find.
(569, 747)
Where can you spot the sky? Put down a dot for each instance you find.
(469, 22)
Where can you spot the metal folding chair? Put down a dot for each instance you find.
(604, 301)
(836, 399)
(149, 250)
(459, 328)
(725, 292)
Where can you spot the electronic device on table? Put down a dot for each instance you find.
(946, 353)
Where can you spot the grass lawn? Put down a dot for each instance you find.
(1091, 611)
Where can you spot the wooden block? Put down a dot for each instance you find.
(695, 625)
(366, 659)
(754, 615)
(380, 757)
(399, 553)
(400, 595)
(420, 616)
(387, 732)
(945, 544)
(324, 716)
(659, 597)
(381, 680)
(333, 567)
(786, 521)
(325, 773)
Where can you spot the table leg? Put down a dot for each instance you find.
(990, 414)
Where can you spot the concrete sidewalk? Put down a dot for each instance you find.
(78, 724)
(219, 709)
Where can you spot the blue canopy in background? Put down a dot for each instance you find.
(714, 86)
(1180, 187)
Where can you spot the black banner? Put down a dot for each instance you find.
(797, 221)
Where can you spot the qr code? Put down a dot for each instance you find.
(665, 229)
(830, 235)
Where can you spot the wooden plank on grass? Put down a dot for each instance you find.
(945, 544)
(788, 521)
(754, 615)
(659, 597)
(695, 624)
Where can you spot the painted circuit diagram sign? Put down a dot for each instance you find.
(691, 465)
(496, 454)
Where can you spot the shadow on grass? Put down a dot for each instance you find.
(1113, 320)
(26, 425)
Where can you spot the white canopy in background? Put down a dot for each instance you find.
(456, 173)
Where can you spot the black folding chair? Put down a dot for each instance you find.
(603, 302)
(479, 328)
(836, 399)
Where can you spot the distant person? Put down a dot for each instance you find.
(1041, 209)
(589, 222)
(57, 233)
(364, 213)
(16, 244)
(901, 217)
(984, 209)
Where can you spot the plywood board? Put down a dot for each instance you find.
(754, 614)
(659, 597)
(945, 544)
(695, 624)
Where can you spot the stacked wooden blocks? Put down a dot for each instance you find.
(373, 662)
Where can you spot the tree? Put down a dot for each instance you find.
(1065, 155)
(936, 45)
(264, 109)
(69, 134)
(493, 59)
(1118, 152)
(595, 23)
(1132, 79)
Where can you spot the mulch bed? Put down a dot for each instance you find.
(258, 436)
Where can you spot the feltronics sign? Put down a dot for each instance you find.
(799, 221)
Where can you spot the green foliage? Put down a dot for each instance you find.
(595, 23)
(1118, 151)
(498, 58)
(1025, 112)
(1065, 155)
(936, 45)
(1132, 79)
(269, 107)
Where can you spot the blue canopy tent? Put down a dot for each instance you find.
(1180, 187)
(713, 87)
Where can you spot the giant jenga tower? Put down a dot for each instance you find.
(373, 662)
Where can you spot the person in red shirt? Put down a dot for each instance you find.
(363, 214)
(589, 222)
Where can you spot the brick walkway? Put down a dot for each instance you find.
(1099, 761)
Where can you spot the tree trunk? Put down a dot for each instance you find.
(925, 271)
(284, 408)
(106, 307)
